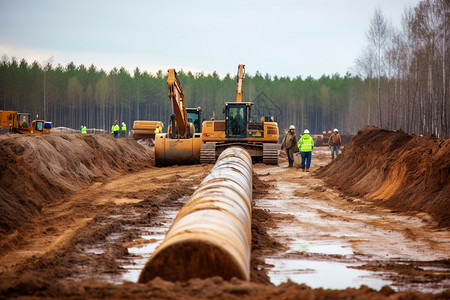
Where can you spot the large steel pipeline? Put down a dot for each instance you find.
(211, 234)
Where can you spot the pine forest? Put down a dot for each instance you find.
(401, 81)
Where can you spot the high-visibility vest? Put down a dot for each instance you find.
(115, 127)
(124, 127)
(305, 143)
(83, 130)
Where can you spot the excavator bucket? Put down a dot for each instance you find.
(177, 151)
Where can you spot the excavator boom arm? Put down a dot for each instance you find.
(240, 83)
(176, 95)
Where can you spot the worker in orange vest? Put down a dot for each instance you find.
(334, 143)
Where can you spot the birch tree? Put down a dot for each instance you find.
(377, 36)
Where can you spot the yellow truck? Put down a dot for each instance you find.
(145, 129)
(15, 122)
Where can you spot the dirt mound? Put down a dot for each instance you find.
(210, 288)
(38, 170)
(402, 172)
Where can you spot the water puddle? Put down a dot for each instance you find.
(149, 241)
(322, 274)
(323, 248)
(325, 244)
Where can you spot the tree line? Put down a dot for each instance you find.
(407, 69)
(401, 81)
(72, 96)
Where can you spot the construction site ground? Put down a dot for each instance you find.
(80, 215)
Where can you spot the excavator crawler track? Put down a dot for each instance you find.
(270, 154)
(208, 153)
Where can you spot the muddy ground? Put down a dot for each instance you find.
(77, 211)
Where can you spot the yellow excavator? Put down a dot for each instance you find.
(259, 137)
(21, 123)
(181, 144)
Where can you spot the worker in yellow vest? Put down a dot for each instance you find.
(124, 129)
(83, 129)
(305, 146)
(115, 129)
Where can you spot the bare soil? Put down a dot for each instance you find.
(73, 205)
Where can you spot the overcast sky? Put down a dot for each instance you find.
(283, 38)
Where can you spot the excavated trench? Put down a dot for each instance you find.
(73, 241)
(323, 243)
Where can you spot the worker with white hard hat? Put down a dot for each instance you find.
(289, 142)
(124, 129)
(305, 146)
(334, 142)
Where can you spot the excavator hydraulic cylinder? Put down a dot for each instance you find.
(211, 234)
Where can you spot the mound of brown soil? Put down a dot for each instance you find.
(37, 170)
(30, 287)
(402, 172)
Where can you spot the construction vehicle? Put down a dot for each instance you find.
(145, 129)
(181, 144)
(258, 136)
(16, 122)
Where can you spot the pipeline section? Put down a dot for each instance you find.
(211, 234)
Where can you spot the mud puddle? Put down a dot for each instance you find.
(329, 244)
(139, 249)
(142, 248)
(322, 274)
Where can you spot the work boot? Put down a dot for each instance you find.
(303, 170)
(307, 170)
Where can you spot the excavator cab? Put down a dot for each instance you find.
(195, 116)
(237, 115)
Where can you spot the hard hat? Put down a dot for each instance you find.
(335, 130)
(292, 127)
(123, 123)
(306, 131)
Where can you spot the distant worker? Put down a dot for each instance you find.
(305, 146)
(115, 129)
(334, 143)
(158, 129)
(83, 129)
(289, 142)
(24, 123)
(124, 129)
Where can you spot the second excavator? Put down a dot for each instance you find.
(181, 144)
(258, 136)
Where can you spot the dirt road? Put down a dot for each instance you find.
(333, 240)
(94, 242)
